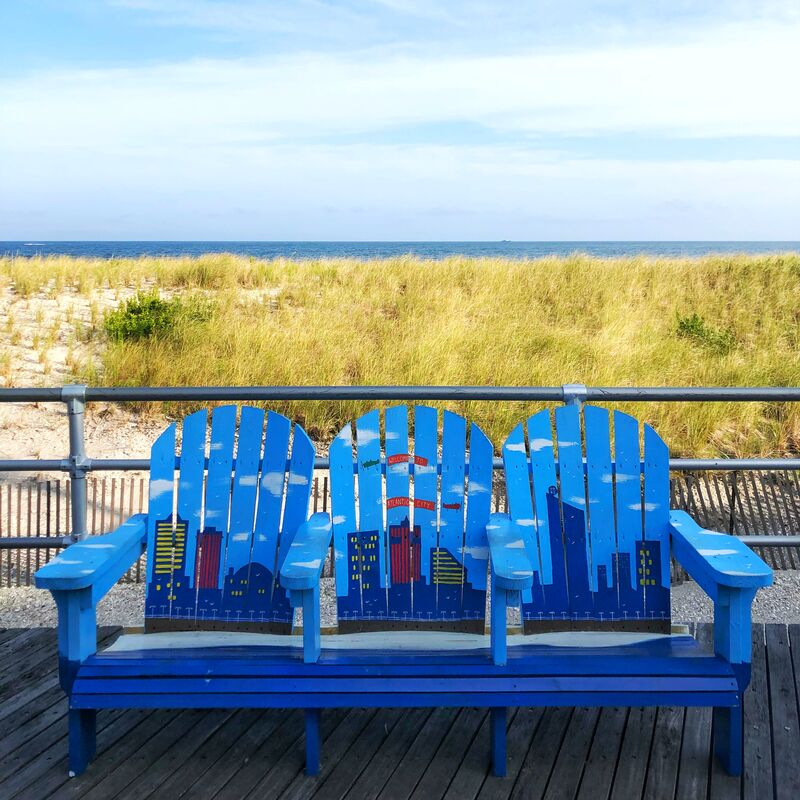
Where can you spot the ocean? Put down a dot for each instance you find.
(314, 250)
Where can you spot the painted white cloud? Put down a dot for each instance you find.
(160, 487)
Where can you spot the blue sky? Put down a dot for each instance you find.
(399, 119)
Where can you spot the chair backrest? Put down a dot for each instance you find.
(409, 526)
(217, 535)
(597, 524)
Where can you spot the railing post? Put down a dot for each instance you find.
(74, 395)
(574, 394)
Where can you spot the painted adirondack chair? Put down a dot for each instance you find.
(406, 560)
(411, 567)
(215, 538)
(593, 528)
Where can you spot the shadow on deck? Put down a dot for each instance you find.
(396, 753)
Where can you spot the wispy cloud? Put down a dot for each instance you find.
(568, 138)
(739, 84)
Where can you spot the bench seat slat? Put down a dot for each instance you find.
(672, 656)
(408, 700)
(289, 685)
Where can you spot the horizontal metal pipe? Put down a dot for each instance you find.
(771, 541)
(514, 393)
(143, 464)
(33, 542)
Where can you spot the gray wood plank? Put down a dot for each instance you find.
(178, 756)
(385, 761)
(339, 728)
(566, 776)
(598, 776)
(634, 755)
(414, 763)
(251, 765)
(356, 760)
(757, 773)
(693, 776)
(520, 734)
(443, 766)
(109, 778)
(247, 745)
(783, 704)
(474, 767)
(46, 774)
(208, 754)
(541, 756)
(662, 769)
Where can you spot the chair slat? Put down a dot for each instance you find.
(159, 518)
(599, 482)
(573, 511)
(298, 491)
(370, 515)
(628, 491)
(218, 481)
(448, 568)
(270, 491)
(343, 506)
(426, 459)
(479, 506)
(543, 479)
(243, 494)
(656, 525)
(400, 534)
(518, 492)
(190, 504)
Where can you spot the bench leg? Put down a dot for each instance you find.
(728, 732)
(312, 741)
(82, 739)
(498, 731)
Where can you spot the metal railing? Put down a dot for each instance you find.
(78, 464)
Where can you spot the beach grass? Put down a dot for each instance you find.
(715, 321)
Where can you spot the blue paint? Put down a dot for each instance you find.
(434, 541)
(402, 539)
(190, 483)
(628, 494)
(162, 486)
(426, 460)
(498, 738)
(599, 484)
(479, 506)
(655, 563)
(448, 570)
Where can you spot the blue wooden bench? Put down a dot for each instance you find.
(416, 549)
(598, 535)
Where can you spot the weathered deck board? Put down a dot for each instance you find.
(397, 754)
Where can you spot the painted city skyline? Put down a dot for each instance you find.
(620, 596)
(234, 597)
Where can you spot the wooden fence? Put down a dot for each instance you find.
(755, 503)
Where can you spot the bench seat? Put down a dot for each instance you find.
(653, 670)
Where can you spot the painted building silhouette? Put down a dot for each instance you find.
(570, 595)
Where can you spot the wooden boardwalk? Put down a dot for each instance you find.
(406, 753)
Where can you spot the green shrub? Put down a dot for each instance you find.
(148, 315)
(695, 328)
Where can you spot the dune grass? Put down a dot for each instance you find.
(717, 321)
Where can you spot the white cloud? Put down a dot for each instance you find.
(258, 147)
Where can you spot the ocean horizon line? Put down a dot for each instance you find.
(372, 249)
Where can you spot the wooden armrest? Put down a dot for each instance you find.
(302, 566)
(97, 562)
(511, 565)
(715, 559)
